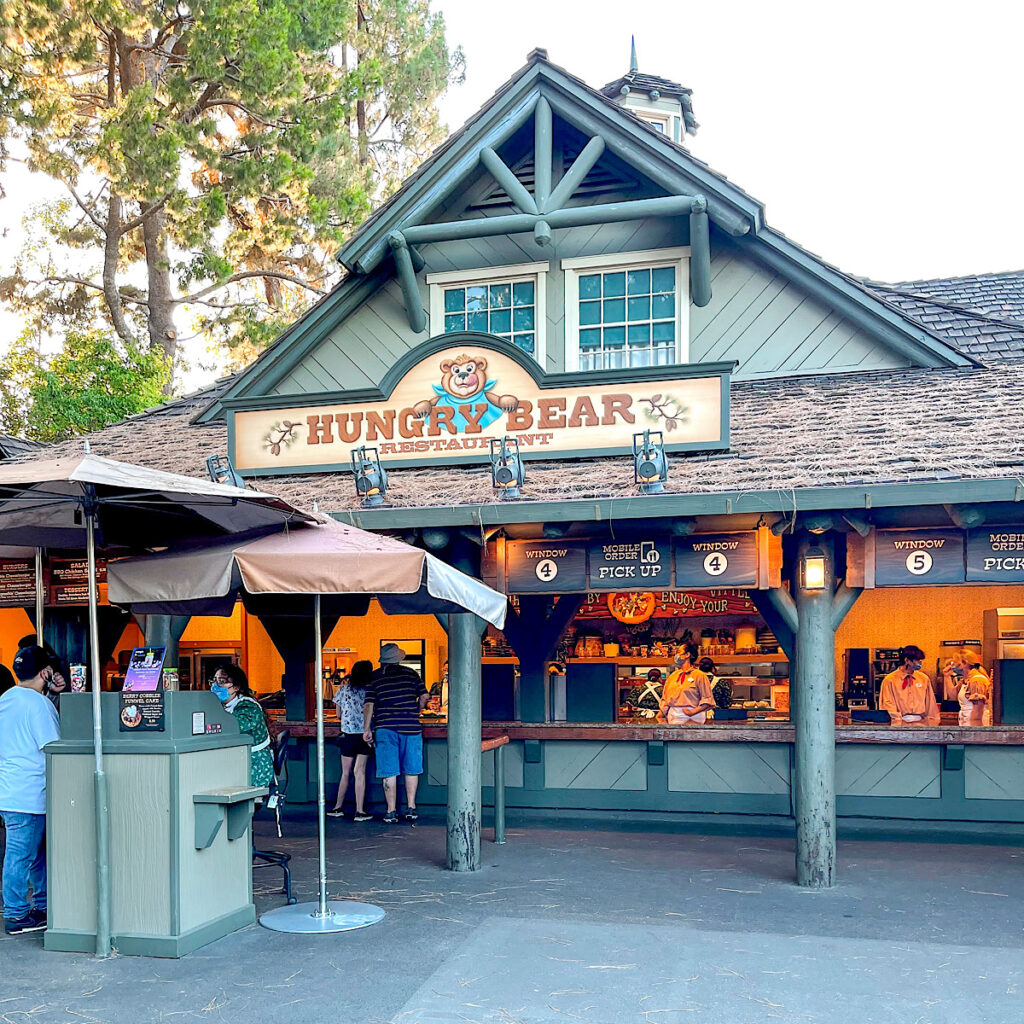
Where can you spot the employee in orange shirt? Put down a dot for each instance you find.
(686, 696)
(907, 693)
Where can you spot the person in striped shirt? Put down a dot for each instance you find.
(395, 696)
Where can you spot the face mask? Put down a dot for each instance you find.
(916, 666)
(219, 690)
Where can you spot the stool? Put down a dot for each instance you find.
(275, 858)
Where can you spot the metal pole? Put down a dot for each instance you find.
(814, 708)
(40, 597)
(322, 911)
(499, 795)
(99, 778)
(464, 734)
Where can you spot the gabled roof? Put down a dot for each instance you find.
(982, 315)
(669, 165)
(637, 81)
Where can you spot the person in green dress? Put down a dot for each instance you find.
(231, 688)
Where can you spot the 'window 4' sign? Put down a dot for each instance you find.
(716, 560)
(546, 567)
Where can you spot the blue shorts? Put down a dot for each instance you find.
(398, 754)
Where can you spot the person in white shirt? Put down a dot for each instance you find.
(28, 721)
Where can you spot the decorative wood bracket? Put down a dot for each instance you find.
(545, 211)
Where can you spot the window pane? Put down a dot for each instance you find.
(590, 312)
(615, 284)
(640, 308)
(476, 297)
(522, 293)
(454, 300)
(590, 286)
(501, 296)
(665, 332)
(456, 322)
(638, 282)
(525, 342)
(476, 322)
(664, 356)
(522, 318)
(590, 338)
(663, 306)
(639, 334)
(501, 321)
(614, 337)
(614, 310)
(664, 279)
(639, 357)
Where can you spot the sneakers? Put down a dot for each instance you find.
(390, 818)
(33, 921)
(337, 813)
(362, 816)
(411, 815)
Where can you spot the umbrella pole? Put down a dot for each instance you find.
(40, 597)
(321, 917)
(100, 778)
(320, 798)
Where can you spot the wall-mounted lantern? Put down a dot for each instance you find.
(370, 478)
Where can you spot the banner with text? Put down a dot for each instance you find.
(714, 560)
(995, 554)
(914, 558)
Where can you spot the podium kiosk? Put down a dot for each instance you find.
(180, 811)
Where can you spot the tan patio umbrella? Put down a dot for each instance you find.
(326, 559)
(87, 501)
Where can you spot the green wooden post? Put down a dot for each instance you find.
(166, 631)
(464, 737)
(814, 713)
(542, 140)
(700, 253)
(499, 795)
(407, 282)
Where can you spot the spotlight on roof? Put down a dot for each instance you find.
(650, 464)
(507, 474)
(222, 472)
(371, 480)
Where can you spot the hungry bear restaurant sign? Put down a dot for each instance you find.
(444, 402)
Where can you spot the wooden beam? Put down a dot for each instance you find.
(513, 187)
(573, 177)
(543, 135)
(407, 282)
(700, 253)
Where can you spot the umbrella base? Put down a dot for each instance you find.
(303, 919)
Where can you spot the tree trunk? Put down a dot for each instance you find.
(364, 143)
(112, 236)
(162, 334)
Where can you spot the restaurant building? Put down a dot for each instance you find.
(584, 367)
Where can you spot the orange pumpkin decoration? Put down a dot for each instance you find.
(632, 608)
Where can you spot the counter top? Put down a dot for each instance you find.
(731, 732)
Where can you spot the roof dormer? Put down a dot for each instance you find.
(662, 103)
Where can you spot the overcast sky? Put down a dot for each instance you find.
(885, 137)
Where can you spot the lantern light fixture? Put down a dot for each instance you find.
(813, 569)
(650, 464)
(222, 472)
(507, 474)
(370, 478)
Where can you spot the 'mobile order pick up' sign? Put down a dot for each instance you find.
(995, 555)
(644, 564)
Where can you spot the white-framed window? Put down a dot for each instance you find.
(509, 302)
(627, 309)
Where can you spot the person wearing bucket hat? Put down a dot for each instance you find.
(395, 696)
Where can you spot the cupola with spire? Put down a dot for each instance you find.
(662, 103)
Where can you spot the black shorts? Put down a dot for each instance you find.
(352, 744)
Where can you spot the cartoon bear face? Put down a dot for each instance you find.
(465, 376)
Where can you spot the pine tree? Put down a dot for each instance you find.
(213, 154)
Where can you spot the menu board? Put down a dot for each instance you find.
(715, 560)
(69, 581)
(17, 582)
(142, 712)
(633, 564)
(144, 669)
(995, 555)
(913, 558)
(546, 567)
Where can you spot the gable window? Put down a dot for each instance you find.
(505, 301)
(627, 310)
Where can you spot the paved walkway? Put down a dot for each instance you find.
(583, 926)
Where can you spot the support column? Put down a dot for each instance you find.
(814, 713)
(464, 736)
(166, 631)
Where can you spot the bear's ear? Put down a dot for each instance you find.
(481, 363)
(446, 365)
